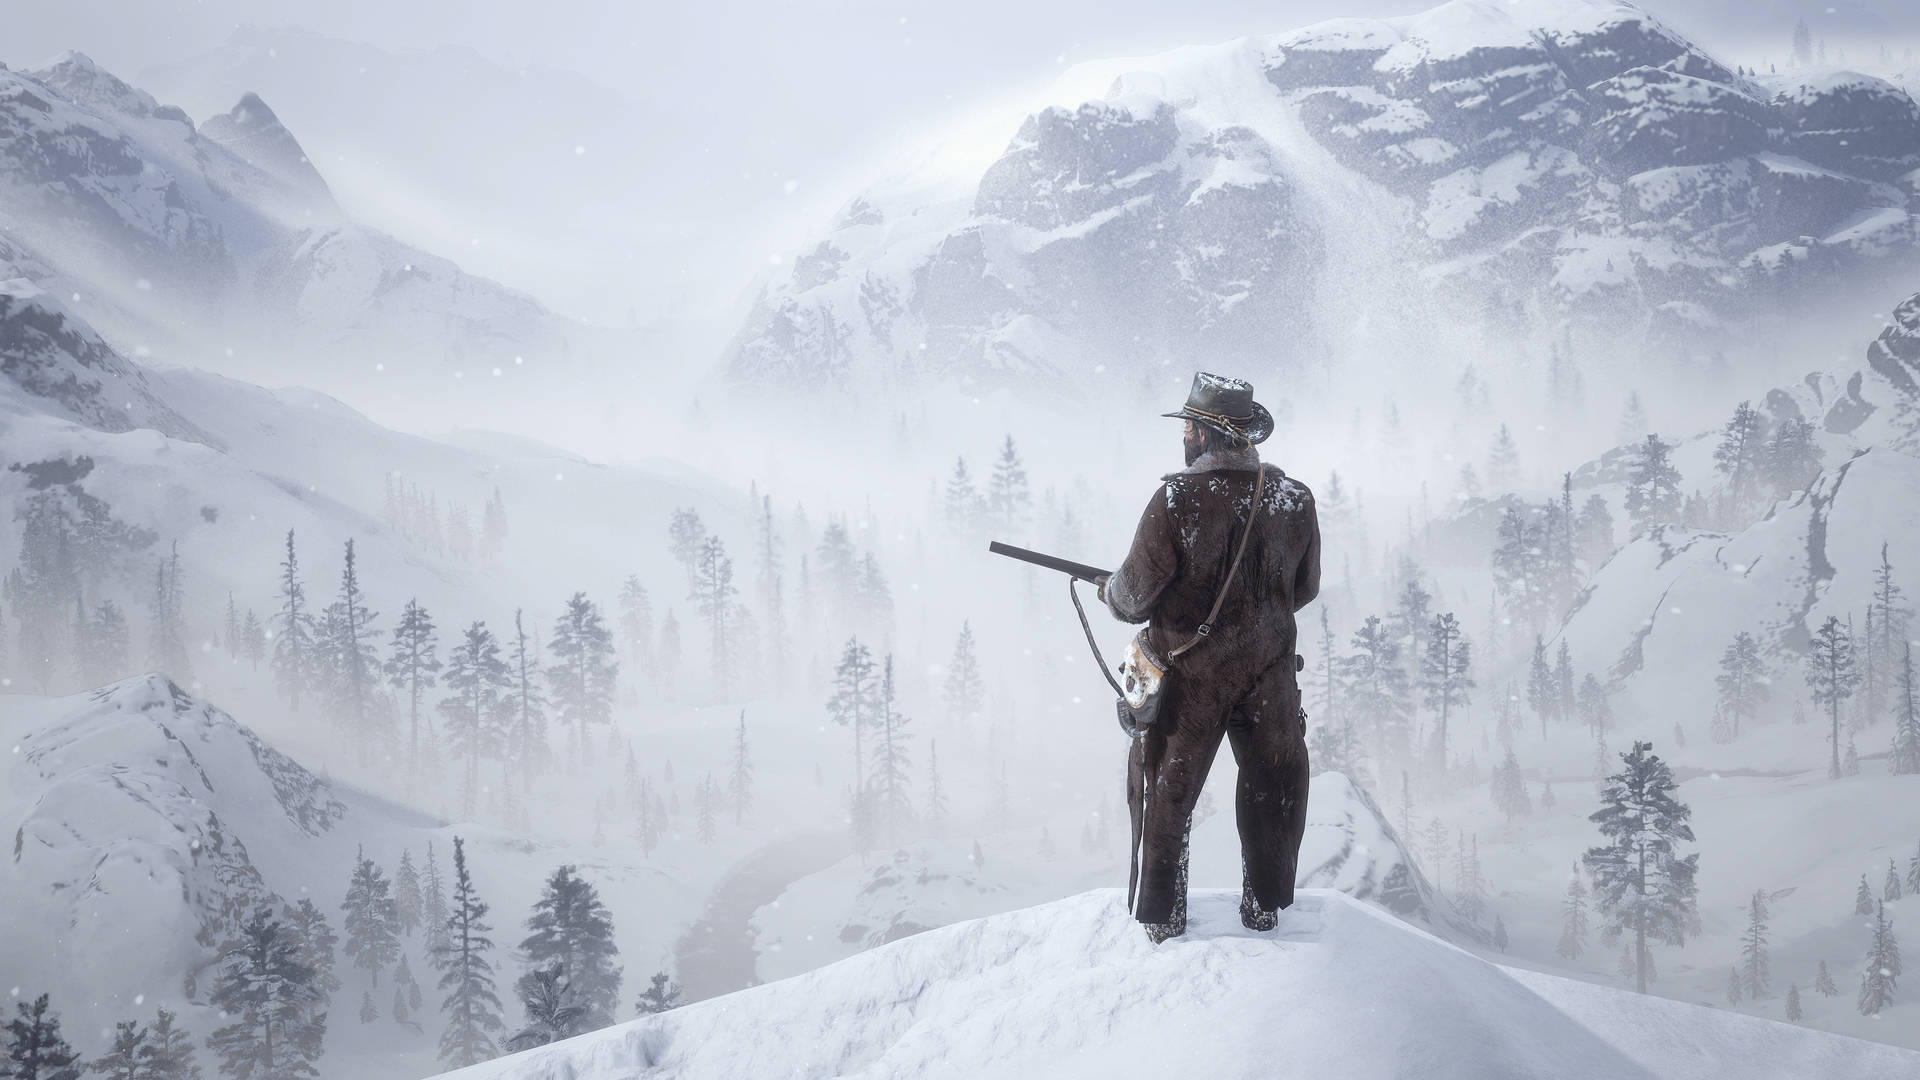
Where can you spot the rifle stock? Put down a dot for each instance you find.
(1093, 575)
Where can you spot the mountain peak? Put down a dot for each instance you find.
(79, 79)
(253, 133)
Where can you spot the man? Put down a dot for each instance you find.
(1239, 679)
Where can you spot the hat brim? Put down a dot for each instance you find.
(1255, 431)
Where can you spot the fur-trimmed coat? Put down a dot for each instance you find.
(1179, 558)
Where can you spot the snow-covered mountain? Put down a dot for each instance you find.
(1072, 988)
(1552, 164)
(858, 904)
(1650, 610)
(222, 246)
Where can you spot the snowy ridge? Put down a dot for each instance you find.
(1256, 202)
(1072, 989)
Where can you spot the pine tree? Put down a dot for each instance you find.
(433, 904)
(313, 942)
(1008, 498)
(1888, 622)
(411, 667)
(369, 1012)
(167, 1053)
(1503, 461)
(466, 974)
(278, 1013)
(1409, 618)
(1374, 685)
(661, 995)
(1741, 457)
(256, 640)
(582, 680)
(1594, 709)
(636, 622)
(964, 680)
(1753, 948)
(686, 534)
(1510, 789)
(35, 1048)
(1641, 884)
(704, 810)
(1863, 898)
(1446, 676)
(1542, 696)
(936, 799)
(1882, 974)
(713, 593)
(1823, 982)
(406, 895)
(962, 501)
(553, 1011)
(1573, 917)
(1593, 531)
(525, 704)
(740, 779)
(891, 804)
(106, 644)
(168, 649)
(1832, 676)
(476, 676)
(772, 594)
(1499, 933)
(1793, 1002)
(369, 918)
(1653, 486)
(230, 630)
(1563, 681)
(294, 661)
(1891, 890)
(1733, 986)
(1906, 719)
(1792, 456)
(853, 703)
(571, 931)
(1742, 681)
(1913, 872)
(349, 658)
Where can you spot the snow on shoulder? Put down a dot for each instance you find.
(1072, 988)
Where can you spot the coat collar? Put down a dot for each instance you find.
(1242, 459)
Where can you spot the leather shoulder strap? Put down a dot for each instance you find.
(1253, 509)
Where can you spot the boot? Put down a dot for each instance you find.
(1158, 932)
(1252, 915)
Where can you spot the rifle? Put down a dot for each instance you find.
(1092, 575)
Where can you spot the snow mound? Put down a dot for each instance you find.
(1073, 988)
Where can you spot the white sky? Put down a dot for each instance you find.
(756, 118)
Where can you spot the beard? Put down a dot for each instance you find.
(1194, 447)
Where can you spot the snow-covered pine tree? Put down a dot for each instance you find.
(476, 676)
(772, 593)
(713, 594)
(582, 677)
(1882, 973)
(35, 1047)
(370, 921)
(411, 667)
(1906, 718)
(1446, 676)
(313, 941)
(230, 628)
(1375, 688)
(854, 700)
(1793, 1003)
(553, 1011)
(1742, 681)
(1891, 890)
(1546, 795)
(964, 682)
(636, 623)
(1823, 982)
(167, 650)
(406, 990)
(167, 1053)
(662, 994)
(1499, 933)
(1733, 986)
(571, 930)
(406, 895)
(1503, 461)
(962, 502)
(433, 903)
(353, 668)
(256, 640)
(1411, 613)
(294, 659)
(1641, 884)
(525, 704)
(1653, 486)
(1573, 917)
(369, 1012)
(1008, 498)
(1792, 457)
(1832, 676)
(1913, 872)
(278, 1014)
(1753, 947)
(686, 534)
(1564, 684)
(1741, 458)
(466, 974)
(1510, 789)
(936, 815)
(891, 802)
(740, 777)
(1863, 898)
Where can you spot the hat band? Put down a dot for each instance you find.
(1221, 417)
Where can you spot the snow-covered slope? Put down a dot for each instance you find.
(222, 247)
(1073, 988)
(1271, 199)
(857, 904)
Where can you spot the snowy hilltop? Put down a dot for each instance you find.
(1071, 989)
(1566, 167)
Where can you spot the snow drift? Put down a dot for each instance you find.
(1073, 988)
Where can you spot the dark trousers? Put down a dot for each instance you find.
(1167, 766)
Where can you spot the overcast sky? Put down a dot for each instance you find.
(765, 114)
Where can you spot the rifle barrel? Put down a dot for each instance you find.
(1091, 574)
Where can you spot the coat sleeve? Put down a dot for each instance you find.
(1150, 565)
(1306, 577)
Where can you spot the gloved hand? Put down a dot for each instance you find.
(1100, 589)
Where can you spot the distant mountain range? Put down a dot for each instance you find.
(1546, 167)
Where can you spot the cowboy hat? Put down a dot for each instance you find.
(1227, 406)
